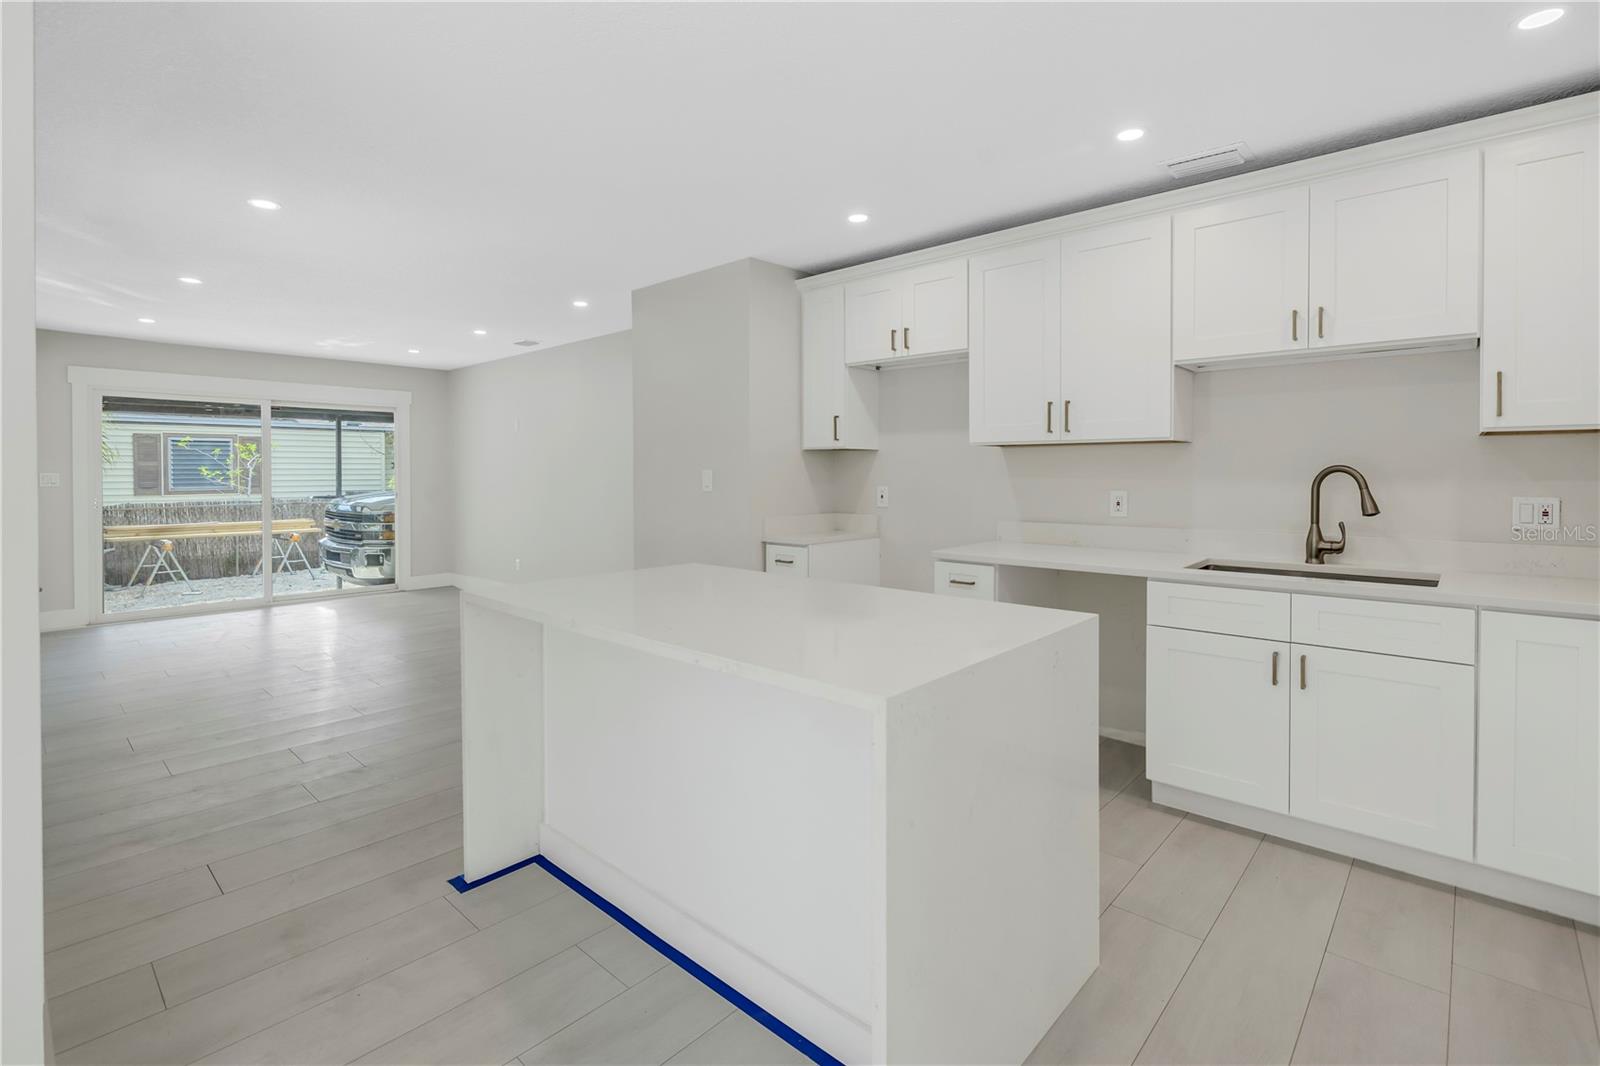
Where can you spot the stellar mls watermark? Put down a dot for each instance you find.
(1556, 534)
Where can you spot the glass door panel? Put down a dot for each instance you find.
(180, 503)
(333, 500)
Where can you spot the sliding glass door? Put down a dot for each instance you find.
(206, 502)
(180, 503)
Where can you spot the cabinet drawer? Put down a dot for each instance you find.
(1213, 609)
(975, 581)
(785, 559)
(1419, 631)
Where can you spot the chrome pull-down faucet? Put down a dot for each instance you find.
(1316, 546)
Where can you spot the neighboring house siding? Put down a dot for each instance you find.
(302, 461)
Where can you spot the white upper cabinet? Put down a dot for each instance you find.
(1014, 372)
(1395, 253)
(838, 405)
(908, 314)
(1117, 378)
(1239, 280)
(1540, 330)
(1539, 748)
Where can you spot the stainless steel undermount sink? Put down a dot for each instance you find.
(1324, 571)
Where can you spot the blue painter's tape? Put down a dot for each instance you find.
(700, 973)
(461, 884)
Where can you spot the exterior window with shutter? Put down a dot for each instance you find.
(147, 479)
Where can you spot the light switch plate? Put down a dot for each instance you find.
(883, 495)
(1535, 514)
(1119, 503)
(49, 481)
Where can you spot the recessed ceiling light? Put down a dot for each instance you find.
(580, 303)
(1540, 18)
(1130, 135)
(264, 205)
(857, 218)
(148, 321)
(187, 280)
(481, 332)
(413, 351)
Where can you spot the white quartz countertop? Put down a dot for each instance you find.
(1570, 596)
(853, 644)
(806, 540)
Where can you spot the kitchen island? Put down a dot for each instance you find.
(871, 811)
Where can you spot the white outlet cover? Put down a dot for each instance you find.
(1535, 512)
(705, 481)
(883, 495)
(1118, 504)
(49, 481)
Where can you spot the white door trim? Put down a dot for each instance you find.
(90, 383)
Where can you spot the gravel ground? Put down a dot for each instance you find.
(215, 590)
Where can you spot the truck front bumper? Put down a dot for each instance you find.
(358, 563)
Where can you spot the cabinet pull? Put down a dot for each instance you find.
(892, 348)
(1320, 310)
(1049, 413)
(1066, 416)
(1274, 669)
(1499, 393)
(781, 559)
(905, 337)
(835, 428)
(963, 582)
(1302, 673)
(1294, 324)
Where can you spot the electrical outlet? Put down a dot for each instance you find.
(49, 481)
(705, 481)
(1119, 503)
(516, 564)
(883, 495)
(1535, 514)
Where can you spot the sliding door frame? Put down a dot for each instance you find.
(90, 385)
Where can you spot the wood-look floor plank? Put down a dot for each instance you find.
(69, 925)
(104, 1007)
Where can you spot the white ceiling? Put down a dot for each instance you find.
(445, 167)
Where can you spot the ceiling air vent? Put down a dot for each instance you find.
(525, 344)
(1209, 161)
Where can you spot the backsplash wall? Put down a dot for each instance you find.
(1408, 422)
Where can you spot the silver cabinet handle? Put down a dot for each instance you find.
(1302, 673)
(836, 427)
(1066, 416)
(1274, 669)
(1049, 415)
(1320, 312)
(963, 582)
(781, 559)
(892, 348)
(905, 337)
(1499, 393)
(1294, 324)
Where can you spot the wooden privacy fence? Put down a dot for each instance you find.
(205, 556)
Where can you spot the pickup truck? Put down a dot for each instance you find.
(358, 538)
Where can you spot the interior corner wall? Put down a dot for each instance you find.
(432, 434)
(24, 1029)
(544, 462)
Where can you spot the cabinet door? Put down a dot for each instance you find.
(1382, 746)
(935, 316)
(1395, 252)
(1239, 272)
(1217, 715)
(1539, 748)
(1014, 371)
(1541, 240)
(821, 366)
(872, 319)
(1116, 332)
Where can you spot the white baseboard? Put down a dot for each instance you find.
(53, 621)
(430, 581)
(1127, 735)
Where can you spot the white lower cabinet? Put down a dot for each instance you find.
(1539, 748)
(1217, 715)
(972, 581)
(788, 559)
(1383, 745)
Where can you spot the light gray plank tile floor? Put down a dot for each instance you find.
(248, 857)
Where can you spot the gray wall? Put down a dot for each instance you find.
(716, 385)
(432, 434)
(1408, 422)
(544, 462)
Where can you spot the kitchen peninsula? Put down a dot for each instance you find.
(871, 811)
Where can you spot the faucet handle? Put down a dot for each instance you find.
(1338, 545)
